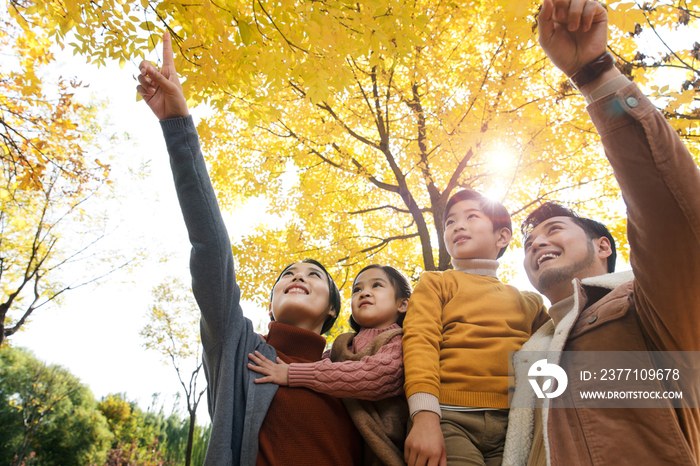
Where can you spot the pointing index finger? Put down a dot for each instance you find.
(168, 51)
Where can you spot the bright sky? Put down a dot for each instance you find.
(95, 333)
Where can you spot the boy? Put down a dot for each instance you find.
(459, 328)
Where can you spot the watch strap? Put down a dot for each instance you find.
(592, 70)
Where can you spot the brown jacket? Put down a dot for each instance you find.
(656, 309)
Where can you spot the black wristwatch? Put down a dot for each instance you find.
(593, 70)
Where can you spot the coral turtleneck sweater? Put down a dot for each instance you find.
(303, 427)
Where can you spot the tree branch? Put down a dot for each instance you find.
(382, 244)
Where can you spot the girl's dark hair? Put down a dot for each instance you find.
(402, 289)
(333, 293)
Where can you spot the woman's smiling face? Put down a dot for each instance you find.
(301, 297)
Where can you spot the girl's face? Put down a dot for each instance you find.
(374, 303)
(301, 297)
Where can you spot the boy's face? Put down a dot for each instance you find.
(469, 233)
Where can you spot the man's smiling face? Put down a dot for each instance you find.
(557, 251)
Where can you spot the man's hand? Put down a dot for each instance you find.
(573, 33)
(161, 89)
(276, 373)
(425, 444)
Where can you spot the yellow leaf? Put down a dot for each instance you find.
(244, 31)
(626, 16)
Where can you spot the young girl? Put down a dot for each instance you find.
(364, 368)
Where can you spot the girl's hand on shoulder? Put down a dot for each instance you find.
(274, 372)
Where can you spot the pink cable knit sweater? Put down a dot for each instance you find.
(372, 378)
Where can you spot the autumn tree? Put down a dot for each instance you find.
(358, 120)
(47, 180)
(48, 417)
(47, 414)
(173, 331)
(650, 22)
(140, 438)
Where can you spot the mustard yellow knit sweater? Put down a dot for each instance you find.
(458, 331)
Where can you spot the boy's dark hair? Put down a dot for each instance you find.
(592, 228)
(494, 210)
(402, 289)
(333, 293)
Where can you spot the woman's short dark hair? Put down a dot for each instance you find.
(494, 210)
(402, 289)
(592, 228)
(333, 293)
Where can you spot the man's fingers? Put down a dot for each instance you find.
(592, 12)
(561, 10)
(587, 15)
(545, 21)
(573, 18)
(168, 50)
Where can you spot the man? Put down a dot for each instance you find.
(655, 309)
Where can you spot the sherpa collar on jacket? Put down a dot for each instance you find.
(521, 421)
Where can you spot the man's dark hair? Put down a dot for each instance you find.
(494, 210)
(402, 289)
(592, 228)
(333, 293)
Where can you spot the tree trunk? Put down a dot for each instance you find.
(28, 436)
(190, 438)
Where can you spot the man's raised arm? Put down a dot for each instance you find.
(659, 180)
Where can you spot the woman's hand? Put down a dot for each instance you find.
(275, 372)
(161, 89)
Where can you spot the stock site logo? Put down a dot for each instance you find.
(550, 372)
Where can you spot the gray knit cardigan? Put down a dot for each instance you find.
(237, 406)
